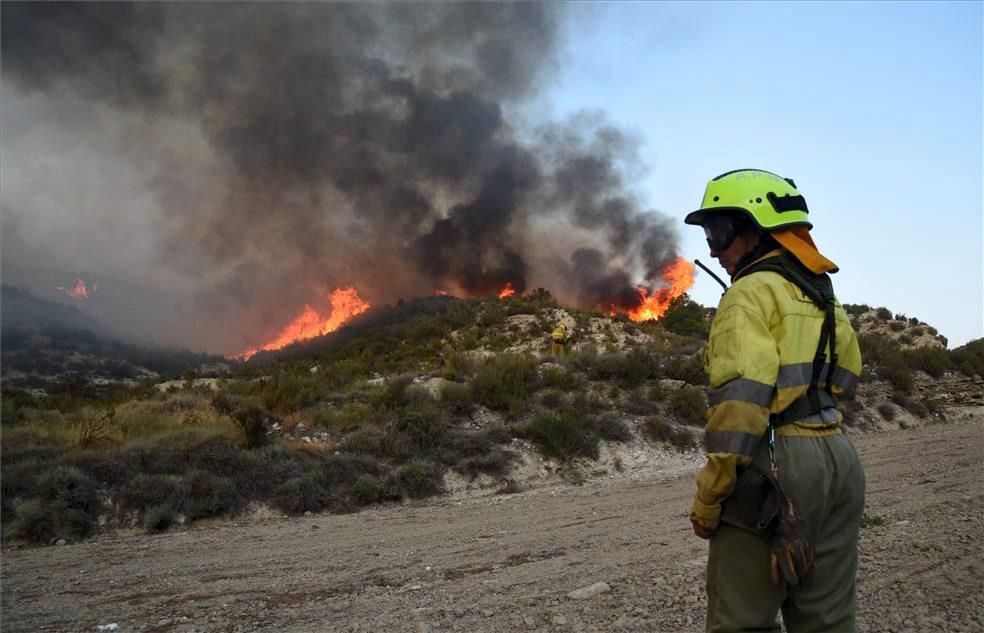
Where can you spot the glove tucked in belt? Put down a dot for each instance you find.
(759, 504)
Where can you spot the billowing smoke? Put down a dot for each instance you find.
(254, 156)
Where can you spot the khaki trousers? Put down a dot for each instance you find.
(823, 477)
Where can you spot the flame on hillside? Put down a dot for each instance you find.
(80, 291)
(679, 277)
(507, 291)
(345, 304)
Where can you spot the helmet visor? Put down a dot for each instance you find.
(720, 231)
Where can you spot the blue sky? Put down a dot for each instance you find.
(875, 109)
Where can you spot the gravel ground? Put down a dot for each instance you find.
(506, 563)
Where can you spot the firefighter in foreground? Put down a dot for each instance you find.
(782, 494)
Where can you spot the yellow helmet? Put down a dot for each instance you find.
(771, 202)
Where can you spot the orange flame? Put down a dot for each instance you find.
(507, 290)
(345, 304)
(679, 277)
(440, 293)
(79, 291)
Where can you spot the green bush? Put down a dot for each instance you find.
(369, 489)
(590, 403)
(883, 314)
(934, 407)
(495, 463)
(35, 521)
(457, 398)
(872, 520)
(253, 422)
(300, 495)
(349, 416)
(417, 479)
(689, 405)
(367, 441)
(148, 490)
(856, 309)
(612, 428)
(686, 317)
(659, 430)
(896, 371)
(969, 359)
(565, 434)
(293, 389)
(686, 368)
(889, 361)
(504, 382)
(210, 495)
(394, 394)
(642, 402)
(473, 453)
(932, 360)
(630, 369)
(69, 488)
(914, 407)
(493, 314)
(559, 378)
(550, 399)
(896, 326)
(159, 519)
(424, 424)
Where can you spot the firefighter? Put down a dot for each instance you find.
(781, 348)
(559, 339)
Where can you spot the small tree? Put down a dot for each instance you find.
(685, 316)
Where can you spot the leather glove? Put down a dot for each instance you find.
(792, 554)
(701, 531)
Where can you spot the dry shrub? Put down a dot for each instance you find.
(659, 430)
(417, 479)
(887, 411)
(689, 405)
(505, 382)
(159, 519)
(565, 434)
(612, 428)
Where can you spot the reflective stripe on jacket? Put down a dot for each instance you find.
(759, 359)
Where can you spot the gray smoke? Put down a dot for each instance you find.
(255, 156)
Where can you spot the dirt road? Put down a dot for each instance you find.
(507, 563)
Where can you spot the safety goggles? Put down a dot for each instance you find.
(720, 231)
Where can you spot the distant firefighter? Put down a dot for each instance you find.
(559, 338)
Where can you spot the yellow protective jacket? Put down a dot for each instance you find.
(759, 360)
(560, 334)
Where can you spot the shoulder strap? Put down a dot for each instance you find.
(820, 290)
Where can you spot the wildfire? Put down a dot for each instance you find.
(679, 277)
(79, 291)
(345, 304)
(507, 291)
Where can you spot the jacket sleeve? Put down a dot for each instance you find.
(742, 362)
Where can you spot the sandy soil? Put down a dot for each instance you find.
(507, 562)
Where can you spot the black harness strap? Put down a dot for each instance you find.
(820, 290)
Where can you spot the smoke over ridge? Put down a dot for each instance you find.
(257, 155)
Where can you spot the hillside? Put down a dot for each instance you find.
(48, 346)
(429, 396)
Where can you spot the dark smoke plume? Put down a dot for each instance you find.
(290, 148)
